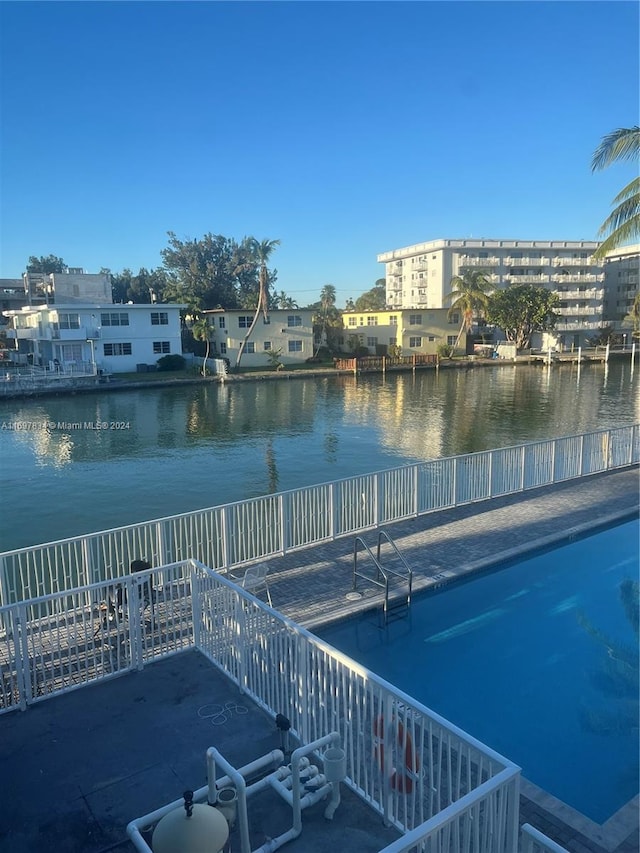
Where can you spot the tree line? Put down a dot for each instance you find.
(221, 272)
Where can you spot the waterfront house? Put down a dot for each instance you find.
(286, 331)
(416, 332)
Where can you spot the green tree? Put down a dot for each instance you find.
(284, 302)
(260, 252)
(522, 309)
(202, 273)
(468, 297)
(202, 332)
(46, 264)
(374, 299)
(623, 224)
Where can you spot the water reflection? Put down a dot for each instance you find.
(165, 451)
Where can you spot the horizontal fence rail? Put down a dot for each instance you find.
(235, 534)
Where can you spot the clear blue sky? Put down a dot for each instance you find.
(344, 129)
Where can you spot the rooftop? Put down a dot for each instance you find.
(84, 764)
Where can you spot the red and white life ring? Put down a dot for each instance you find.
(401, 780)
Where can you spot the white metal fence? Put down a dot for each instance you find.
(237, 533)
(416, 769)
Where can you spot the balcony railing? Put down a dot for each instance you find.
(578, 326)
(576, 262)
(594, 293)
(527, 279)
(468, 261)
(572, 277)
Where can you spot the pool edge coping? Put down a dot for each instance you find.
(610, 834)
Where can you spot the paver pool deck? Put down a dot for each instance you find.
(78, 767)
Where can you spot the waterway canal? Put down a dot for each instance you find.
(170, 450)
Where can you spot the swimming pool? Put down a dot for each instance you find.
(518, 658)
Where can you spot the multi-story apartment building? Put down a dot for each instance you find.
(415, 331)
(622, 283)
(288, 331)
(72, 326)
(419, 276)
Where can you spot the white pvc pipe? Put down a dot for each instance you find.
(276, 756)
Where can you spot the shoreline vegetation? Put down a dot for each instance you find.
(191, 375)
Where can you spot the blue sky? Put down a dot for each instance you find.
(344, 129)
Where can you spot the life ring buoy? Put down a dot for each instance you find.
(401, 780)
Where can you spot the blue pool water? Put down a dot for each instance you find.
(509, 658)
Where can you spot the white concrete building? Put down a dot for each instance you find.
(72, 285)
(419, 276)
(288, 330)
(85, 339)
(622, 282)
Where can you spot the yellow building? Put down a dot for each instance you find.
(415, 331)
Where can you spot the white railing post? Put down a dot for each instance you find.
(226, 562)
(23, 660)
(387, 725)
(284, 517)
(522, 467)
(377, 503)
(134, 620)
(196, 605)
(455, 481)
(553, 460)
(490, 489)
(416, 490)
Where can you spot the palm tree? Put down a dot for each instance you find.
(260, 251)
(327, 304)
(469, 295)
(623, 224)
(634, 318)
(201, 332)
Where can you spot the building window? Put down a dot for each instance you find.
(352, 321)
(223, 349)
(451, 340)
(431, 338)
(392, 342)
(120, 319)
(295, 346)
(415, 319)
(454, 319)
(267, 345)
(161, 347)
(69, 321)
(372, 342)
(372, 321)
(361, 321)
(117, 349)
(483, 255)
(415, 341)
(393, 320)
(294, 320)
(266, 320)
(221, 322)
(250, 347)
(159, 318)
(244, 322)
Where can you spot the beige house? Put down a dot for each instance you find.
(417, 331)
(289, 332)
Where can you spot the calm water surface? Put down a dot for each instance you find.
(196, 446)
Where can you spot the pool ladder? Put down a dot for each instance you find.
(396, 582)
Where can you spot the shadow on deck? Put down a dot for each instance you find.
(77, 768)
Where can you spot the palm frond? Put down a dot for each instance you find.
(620, 237)
(620, 144)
